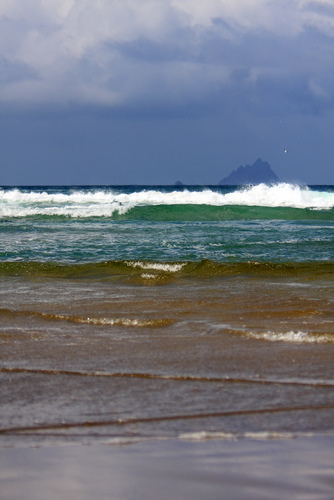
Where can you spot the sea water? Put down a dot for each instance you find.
(131, 312)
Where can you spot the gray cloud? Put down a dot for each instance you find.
(166, 53)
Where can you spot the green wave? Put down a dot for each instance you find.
(150, 271)
(184, 213)
(221, 213)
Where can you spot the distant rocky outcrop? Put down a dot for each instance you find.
(257, 173)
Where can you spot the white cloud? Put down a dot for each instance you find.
(80, 50)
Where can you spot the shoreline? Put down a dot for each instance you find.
(247, 467)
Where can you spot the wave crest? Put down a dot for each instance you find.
(292, 336)
(110, 201)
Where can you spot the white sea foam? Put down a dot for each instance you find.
(79, 203)
(157, 266)
(110, 321)
(281, 195)
(229, 436)
(291, 336)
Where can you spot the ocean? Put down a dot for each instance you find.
(133, 313)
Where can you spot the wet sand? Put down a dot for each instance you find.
(87, 367)
(299, 468)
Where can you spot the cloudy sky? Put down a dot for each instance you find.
(155, 91)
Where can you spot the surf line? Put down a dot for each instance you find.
(181, 378)
(129, 421)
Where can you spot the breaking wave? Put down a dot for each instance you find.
(202, 269)
(163, 202)
(292, 336)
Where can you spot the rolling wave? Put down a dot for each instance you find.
(292, 337)
(170, 203)
(148, 270)
(97, 321)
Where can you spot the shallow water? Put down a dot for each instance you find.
(251, 468)
(156, 321)
(83, 357)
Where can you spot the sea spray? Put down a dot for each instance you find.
(106, 202)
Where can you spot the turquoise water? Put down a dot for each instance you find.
(72, 225)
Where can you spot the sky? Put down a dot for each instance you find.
(159, 91)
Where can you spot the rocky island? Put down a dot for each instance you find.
(257, 173)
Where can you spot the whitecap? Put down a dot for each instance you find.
(291, 336)
(104, 203)
(157, 266)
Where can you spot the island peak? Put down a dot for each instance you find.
(257, 173)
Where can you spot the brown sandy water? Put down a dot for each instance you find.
(151, 357)
(181, 387)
